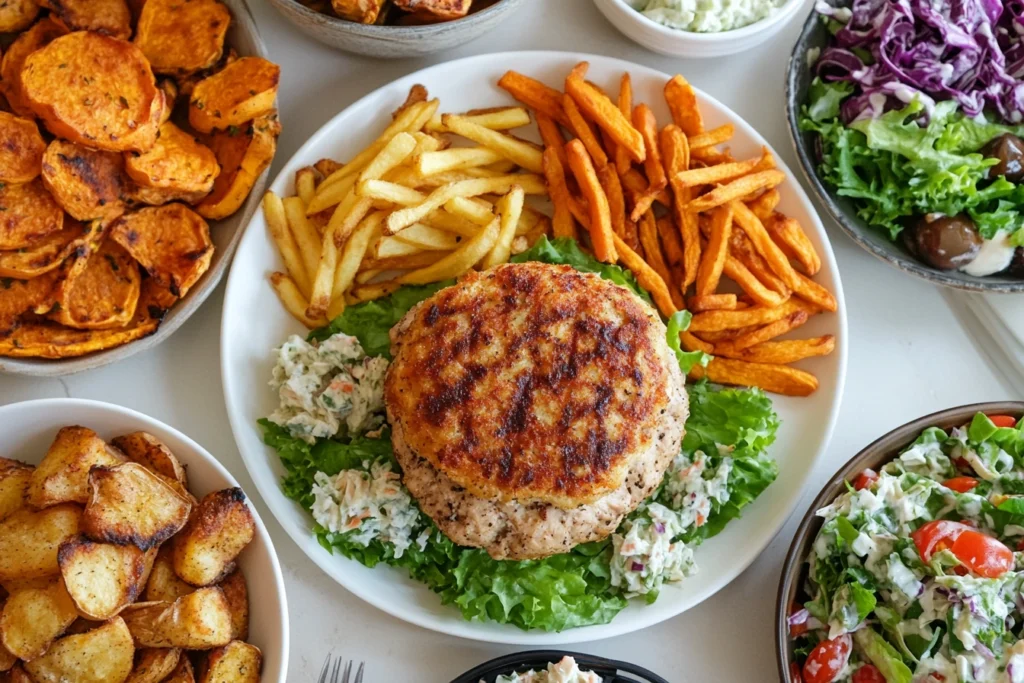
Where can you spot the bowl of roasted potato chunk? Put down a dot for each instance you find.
(395, 28)
(137, 137)
(129, 554)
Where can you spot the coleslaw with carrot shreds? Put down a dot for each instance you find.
(916, 575)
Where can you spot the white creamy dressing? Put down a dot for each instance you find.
(994, 257)
(565, 671)
(706, 16)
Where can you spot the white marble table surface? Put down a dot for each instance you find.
(908, 357)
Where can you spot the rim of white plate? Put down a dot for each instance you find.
(256, 461)
(59, 405)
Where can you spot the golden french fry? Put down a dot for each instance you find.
(479, 213)
(644, 121)
(600, 215)
(363, 277)
(721, 173)
(277, 222)
(531, 184)
(616, 200)
(783, 352)
(682, 103)
(417, 94)
(424, 258)
(809, 290)
(763, 243)
(652, 254)
(389, 247)
(713, 302)
(676, 158)
(426, 237)
(293, 300)
(753, 287)
(383, 190)
(354, 252)
(646, 276)
(455, 159)
(457, 262)
(554, 172)
(374, 291)
(791, 238)
(305, 184)
(625, 103)
(737, 189)
(584, 132)
(499, 118)
(712, 263)
(763, 207)
(396, 151)
(306, 238)
(442, 220)
(328, 196)
(535, 95)
(606, 115)
(715, 136)
(712, 321)
(767, 332)
(779, 379)
(509, 208)
(513, 149)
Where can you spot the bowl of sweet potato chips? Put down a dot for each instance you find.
(129, 554)
(136, 136)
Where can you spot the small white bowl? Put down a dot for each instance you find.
(28, 429)
(677, 43)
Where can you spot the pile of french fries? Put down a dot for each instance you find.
(410, 207)
(698, 228)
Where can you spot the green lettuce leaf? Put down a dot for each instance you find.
(825, 98)
(677, 324)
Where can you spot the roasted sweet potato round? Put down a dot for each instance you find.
(41, 34)
(243, 155)
(89, 184)
(28, 213)
(21, 296)
(102, 293)
(179, 164)
(109, 17)
(171, 242)
(16, 15)
(94, 90)
(180, 38)
(21, 149)
(47, 253)
(240, 92)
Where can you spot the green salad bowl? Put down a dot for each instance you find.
(874, 456)
(799, 74)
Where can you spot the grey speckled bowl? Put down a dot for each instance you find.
(794, 571)
(389, 42)
(244, 37)
(798, 79)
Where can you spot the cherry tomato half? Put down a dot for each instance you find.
(794, 673)
(865, 479)
(961, 484)
(1003, 420)
(868, 673)
(934, 536)
(827, 659)
(983, 555)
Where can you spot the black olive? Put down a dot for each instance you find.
(946, 242)
(1009, 150)
(1017, 264)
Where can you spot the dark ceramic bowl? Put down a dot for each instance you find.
(794, 571)
(610, 670)
(875, 241)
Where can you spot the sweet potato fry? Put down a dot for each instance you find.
(616, 200)
(737, 189)
(682, 102)
(791, 238)
(743, 250)
(809, 290)
(779, 379)
(653, 255)
(646, 276)
(584, 132)
(676, 158)
(709, 272)
(763, 207)
(727, 320)
(644, 121)
(635, 184)
(625, 102)
(607, 116)
(749, 283)
(715, 136)
(781, 352)
(720, 173)
(690, 342)
(763, 243)
(768, 332)
(672, 245)
(535, 95)
(600, 215)
(552, 137)
(713, 302)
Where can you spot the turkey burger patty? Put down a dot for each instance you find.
(532, 407)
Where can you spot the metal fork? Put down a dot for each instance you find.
(331, 674)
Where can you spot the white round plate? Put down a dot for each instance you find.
(28, 429)
(254, 323)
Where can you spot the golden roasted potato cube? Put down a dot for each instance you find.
(218, 531)
(236, 662)
(130, 504)
(237, 595)
(154, 664)
(164, 585)
(182, 673)
(33, 618)
(29, 540)
(148, 450)
(198, 621)
(62, 476)
(14, 479)
(103, 578)
(103, 655)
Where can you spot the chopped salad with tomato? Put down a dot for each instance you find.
(917, 574)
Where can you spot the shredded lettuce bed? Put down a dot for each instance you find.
(559, 592)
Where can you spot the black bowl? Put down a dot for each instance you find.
(610, 670)
(874, 240)
(794, 571)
